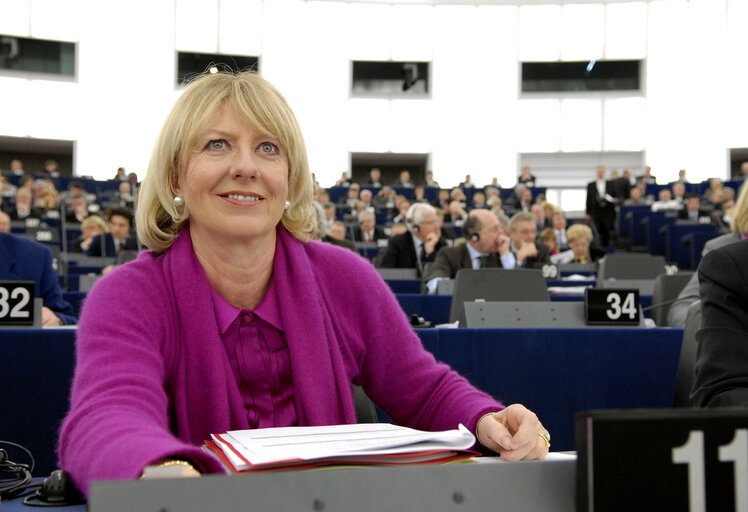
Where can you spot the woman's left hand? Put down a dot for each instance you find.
(514, 433)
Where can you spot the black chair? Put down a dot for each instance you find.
(630, 266)
(687, 363)
(496, 285)
(666, 289)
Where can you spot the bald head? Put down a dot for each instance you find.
(485, 225)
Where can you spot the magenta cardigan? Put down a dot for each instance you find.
(153, 380)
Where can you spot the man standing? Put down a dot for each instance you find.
(486, 246)
(600, 207)
(419, 245)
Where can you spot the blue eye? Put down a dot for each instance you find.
(217, 144)
(268, 147)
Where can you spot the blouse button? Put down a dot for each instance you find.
(246, 318)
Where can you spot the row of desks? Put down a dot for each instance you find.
(555, 372)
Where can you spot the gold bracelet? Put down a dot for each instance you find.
(171, 462)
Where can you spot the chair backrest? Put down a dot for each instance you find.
(630, 266)
(666, 288)
(687, 362)
(398, 273)
(365, 410)
(496, 285)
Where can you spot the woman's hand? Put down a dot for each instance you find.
(514, 433)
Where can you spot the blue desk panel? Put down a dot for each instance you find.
(555, 372)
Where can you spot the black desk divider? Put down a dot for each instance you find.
(533, 486)
(662, 459)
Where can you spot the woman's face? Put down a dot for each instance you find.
(235, 182)
(580, 246)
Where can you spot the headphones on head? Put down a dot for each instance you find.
(475, 237)
(470, 226)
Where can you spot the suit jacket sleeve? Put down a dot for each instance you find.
(392, 255)
(721, 373)
(51, 292)
(591, 201)
(442, 266)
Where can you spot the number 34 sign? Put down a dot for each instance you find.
(16, 303)
(608, 306)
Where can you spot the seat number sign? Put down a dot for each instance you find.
(16, 303)
(609, 306)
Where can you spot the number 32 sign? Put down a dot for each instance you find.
(16, 303)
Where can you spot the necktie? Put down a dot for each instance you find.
(368, 237)
(483, 261)
(121, 247)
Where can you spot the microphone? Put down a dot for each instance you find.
(669, 302)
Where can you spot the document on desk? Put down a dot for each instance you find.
(365, 443)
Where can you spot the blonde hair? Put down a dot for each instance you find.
(579, 231)
(739, 223)
(92, 220)
(548, 234)
(158, 220)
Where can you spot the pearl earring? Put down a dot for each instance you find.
(178, 201)
(287, 205)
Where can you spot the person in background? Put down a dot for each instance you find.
(682, 176)
(52, 168)
(4, 222)
(404, 181)
(16, 167)
(26, 260)
(23, 209)
(548, 237)
(91, 227)
(647, 177)
(120, 175)
(344, 181)
(367, 229)
(428, 180)
(676, 316)
(226, 211)
(540, 219)
(580, 250)
(118, 238)
(375, 178)
(78, 210)
(665, 201)
(527, 251)
(419, 194)
(599, 206)
(468, 183)
(558, 224)
(420, 244)
(486, 246)
(692, 210)
(479, 200)
(526, 177)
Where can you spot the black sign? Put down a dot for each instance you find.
(16, 303)
(690, 460)
(610, 306)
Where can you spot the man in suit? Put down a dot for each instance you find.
(404, 181)
(692, 210)
(367, 230)
(417, 247)
(375, 178)
(79, 210)
(24, 209)
(486, 246)
(523, 232)
(118, 239)
(26, 260)
(600, 207)
(721, 369)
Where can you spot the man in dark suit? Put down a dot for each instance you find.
(79, 210)
(375, 178)
(26, 260)
(527, 251)
(404, 181)
(692, 210)
(118, 239)
(600, 205)
(417, 247)
(486, 246)
(24, 209)
(721, 378)
(367, 230)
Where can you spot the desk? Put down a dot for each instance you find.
(555, 372)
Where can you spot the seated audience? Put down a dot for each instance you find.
(375, 178)
(52, 168)
(676, 316)
(419, 195)
(7, 189)
(352, 195)
(23, 208)
(679, 192)
(526, 250)
(419, 245)
(558, 224)
(457, 194)
(385, 198)
(468, 183)
(635, 198)
(647, 177)
(16, 167)
(49, 202)
(78, 210)
(548, 237)
(479, 200)
(344, 181)
(336, 235)
(580, 237)
(367, 230)
(455, 214)
(692, 210)
(400, 214)
(665, 201)
(91, 227)
(428, 180)
(118, 238)
(682, 176)
(217, 274)
(485, 246)
(526, 178)
(367, 199)
(442, 199)
(403, 181)
(120, 175)
(540, 219)
(4, 222)
(721, 368)
(26, 260)
(330, 214)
